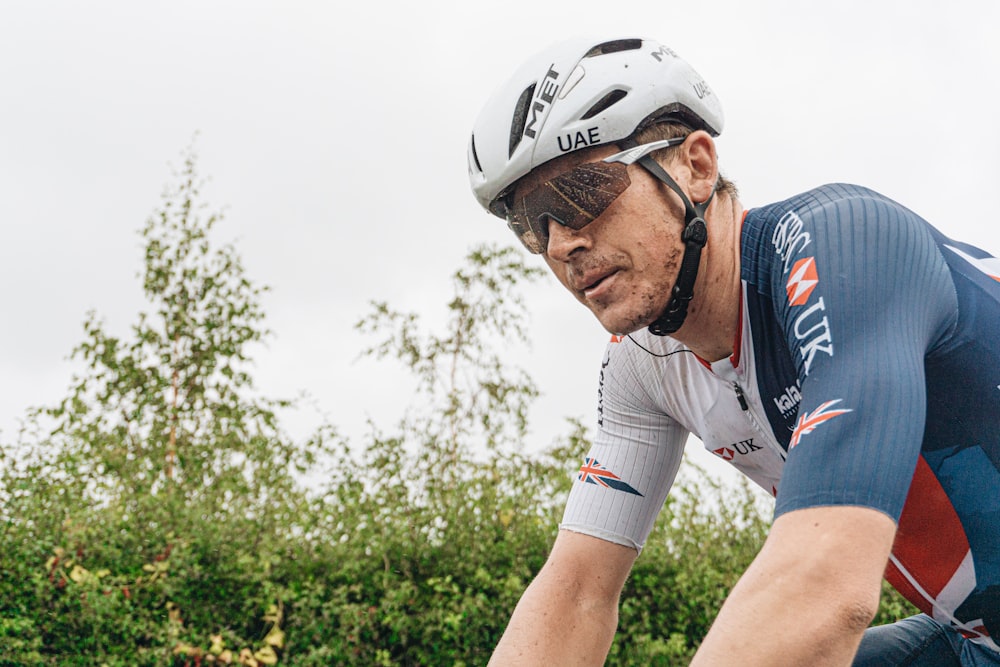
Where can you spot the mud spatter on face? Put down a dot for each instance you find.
(655, 300)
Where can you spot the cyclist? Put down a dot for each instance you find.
(834, 347)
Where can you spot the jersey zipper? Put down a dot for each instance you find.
(755, 422)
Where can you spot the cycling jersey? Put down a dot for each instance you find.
(866, 372)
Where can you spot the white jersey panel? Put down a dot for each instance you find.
(653, 393)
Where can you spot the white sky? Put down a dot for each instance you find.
(335, 137)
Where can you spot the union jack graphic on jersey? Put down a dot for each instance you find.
(988, 265)
(592, 472)
(808, 423)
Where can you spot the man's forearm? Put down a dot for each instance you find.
(771, 627)
(809, 595)
(569, 613)
(549, 627)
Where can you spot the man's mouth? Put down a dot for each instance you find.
(590, 284)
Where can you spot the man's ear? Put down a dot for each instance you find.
(703, 163)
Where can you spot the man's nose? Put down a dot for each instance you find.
(564, 241)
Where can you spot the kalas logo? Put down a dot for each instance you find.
(789, 401)
(802, 281)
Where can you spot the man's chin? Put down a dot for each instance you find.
(622, 326)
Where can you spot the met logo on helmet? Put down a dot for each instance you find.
(546, 93)
(662, 51)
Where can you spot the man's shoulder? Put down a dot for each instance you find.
(808, 203)
(832, 216)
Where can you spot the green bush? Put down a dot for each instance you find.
(155, 516)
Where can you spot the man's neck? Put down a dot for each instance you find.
(713, 320)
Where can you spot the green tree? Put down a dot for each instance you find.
(441, 521)
(162, 469)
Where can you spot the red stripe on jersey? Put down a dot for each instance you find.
(928, 518)
(734, 358)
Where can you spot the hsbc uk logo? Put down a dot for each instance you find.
(743, 447)
(811, 327)
(789, 238)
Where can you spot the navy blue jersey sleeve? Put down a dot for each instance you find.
(861, 294)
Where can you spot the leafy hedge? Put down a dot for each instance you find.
(155, 515)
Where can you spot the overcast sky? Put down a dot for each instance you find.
(335, 133)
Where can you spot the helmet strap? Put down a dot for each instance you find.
(694, 236)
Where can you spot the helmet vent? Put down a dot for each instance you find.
(475, 156)
(520, 118)
(614, 47)
(677, 113)
(603, 103)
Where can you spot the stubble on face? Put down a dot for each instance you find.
(649, 297)
(642, 280)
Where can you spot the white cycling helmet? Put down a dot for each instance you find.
(577, 94)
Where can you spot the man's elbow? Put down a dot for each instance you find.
(855, 612)
(830, 608)
(834, 557)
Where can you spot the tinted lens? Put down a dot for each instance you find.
(526, 235)
(573, 199)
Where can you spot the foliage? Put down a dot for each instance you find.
(155, 515)
(704, 538)
(152, 502)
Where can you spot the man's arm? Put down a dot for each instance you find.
(810, 593)
(569, 613)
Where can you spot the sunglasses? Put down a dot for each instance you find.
(573, 199)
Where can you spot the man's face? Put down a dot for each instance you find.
(622, 265)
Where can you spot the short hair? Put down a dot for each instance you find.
(667, 130)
